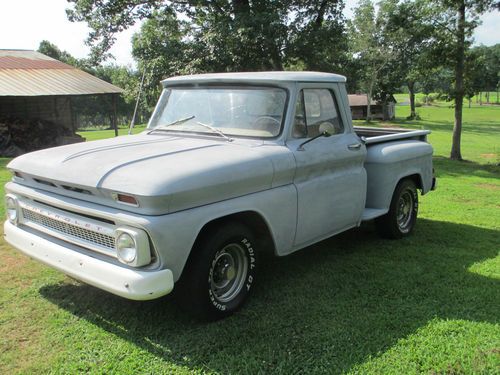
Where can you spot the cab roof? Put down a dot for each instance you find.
(256, 77)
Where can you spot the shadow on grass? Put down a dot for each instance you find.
(326, 308)
(447, 167)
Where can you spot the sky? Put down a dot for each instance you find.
(25, 23)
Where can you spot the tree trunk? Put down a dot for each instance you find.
(487, 97)
(114, 123)
(373, 77)
(369, 104)
(276, 62)
(470, 102)
(411, 89)
(480, 98)
(456, 153)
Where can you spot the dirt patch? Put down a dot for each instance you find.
(16, 269)
(489, 186)
(390, 125)
(489, 156)
(11, 261)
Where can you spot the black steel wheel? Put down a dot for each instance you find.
(402, 216)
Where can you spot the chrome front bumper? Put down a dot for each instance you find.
(125, 282)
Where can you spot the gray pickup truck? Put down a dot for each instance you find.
(229, 165)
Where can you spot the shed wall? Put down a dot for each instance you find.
(382, 112)
(56, 109)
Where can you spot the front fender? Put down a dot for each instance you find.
(174, 234)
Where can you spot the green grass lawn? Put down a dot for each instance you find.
(404, 99)
(93, 135)
(352, 304)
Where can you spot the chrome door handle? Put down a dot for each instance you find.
(354, 146)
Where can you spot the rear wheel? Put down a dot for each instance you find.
(220, 273)
(402, 216)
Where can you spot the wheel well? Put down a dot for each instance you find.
(416, 178)
(253, 220)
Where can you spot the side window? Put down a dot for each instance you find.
(314, 108)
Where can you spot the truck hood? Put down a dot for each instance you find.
(166, 173)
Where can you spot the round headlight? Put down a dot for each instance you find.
(126, 248)
(11, 205)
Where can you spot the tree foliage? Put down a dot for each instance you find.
(222, 35)
(412, 38)
(193, 36)
(407, 40)
(454, 22)
(51, 50)
(374, 45)
(417, 43)
(487, 73)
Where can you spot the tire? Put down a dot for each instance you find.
(402, 216)
(220, 274)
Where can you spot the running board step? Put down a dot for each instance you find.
(372, 213)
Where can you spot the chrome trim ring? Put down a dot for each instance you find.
(228, 272)
(405, 211)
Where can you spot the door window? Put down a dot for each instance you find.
(314, 108)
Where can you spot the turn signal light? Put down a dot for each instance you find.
(124, 198)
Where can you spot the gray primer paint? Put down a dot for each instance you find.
(184, 182)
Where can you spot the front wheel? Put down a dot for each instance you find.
(402, 216)
(220, 273)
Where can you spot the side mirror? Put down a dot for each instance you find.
(326, 129)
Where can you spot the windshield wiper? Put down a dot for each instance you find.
(176, 122)
(215, 130)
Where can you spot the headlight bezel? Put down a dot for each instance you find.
(126, 247)
(142, 249)
(15, 208)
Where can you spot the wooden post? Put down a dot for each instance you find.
(114, 119)
(72, 114)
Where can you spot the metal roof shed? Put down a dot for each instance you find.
(30, 73)
(36, 86)
(379, 110)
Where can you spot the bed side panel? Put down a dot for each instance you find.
(387, 163)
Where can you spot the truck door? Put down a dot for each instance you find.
(330, 178)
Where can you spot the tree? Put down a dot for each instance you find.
(161, 51)
(487, 74)
(371, 46)
(474, 78)
(223, 35)
(51, 50)
(412, 38)
(436, 80)
(454, 22)
(317, 37)
(186, 37)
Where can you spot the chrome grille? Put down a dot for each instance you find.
(102, 240)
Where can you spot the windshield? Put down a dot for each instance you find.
(229, 110)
